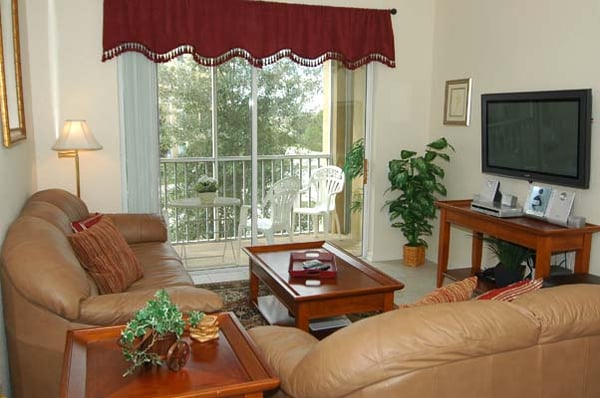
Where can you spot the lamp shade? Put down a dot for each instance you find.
(76, 135)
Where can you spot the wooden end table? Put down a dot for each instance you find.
(358, 287)
(227, 367)
(544, 238)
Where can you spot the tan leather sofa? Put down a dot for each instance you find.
(46, 291)
(544, 344)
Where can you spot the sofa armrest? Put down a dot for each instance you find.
(118, 308)
(283, 348)
(139, 228)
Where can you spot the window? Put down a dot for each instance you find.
(307, 118)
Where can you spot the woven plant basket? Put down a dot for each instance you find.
(414, 256)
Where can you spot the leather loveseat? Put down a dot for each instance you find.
(544, 344)
(46, 291)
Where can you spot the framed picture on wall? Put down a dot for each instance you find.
(457, 102)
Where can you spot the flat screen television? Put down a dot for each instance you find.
(538, 136)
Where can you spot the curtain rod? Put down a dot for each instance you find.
(393, 11)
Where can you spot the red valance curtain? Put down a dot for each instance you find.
(214, 31)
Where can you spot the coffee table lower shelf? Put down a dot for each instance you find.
(276, 313)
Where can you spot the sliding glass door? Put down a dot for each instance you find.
(302, 119)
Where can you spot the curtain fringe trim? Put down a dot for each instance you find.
(241, 53)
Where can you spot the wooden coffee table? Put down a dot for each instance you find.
(358, 287)
(228, 367)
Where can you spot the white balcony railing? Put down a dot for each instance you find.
(178, 178)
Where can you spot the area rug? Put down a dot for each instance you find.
(235, 295)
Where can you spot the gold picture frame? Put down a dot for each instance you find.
(12, 114)
(457, 102)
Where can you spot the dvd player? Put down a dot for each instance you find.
(496, 210)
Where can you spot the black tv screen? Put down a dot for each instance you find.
(538, 136)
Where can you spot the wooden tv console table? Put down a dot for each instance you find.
(543, 237)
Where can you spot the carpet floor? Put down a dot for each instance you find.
(235, 295)
(235, 299)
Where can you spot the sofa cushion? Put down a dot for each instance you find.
(118, 308)
(104, 253)
(39, 261)
(68, 203)
(137, 228)
(512, 291)
(50, 213)
(162, 267)
(400, 342)
(564, 312)
(456, 291)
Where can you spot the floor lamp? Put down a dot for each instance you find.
(75, 137)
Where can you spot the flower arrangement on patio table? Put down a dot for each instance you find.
(160, 320)
(206, 184)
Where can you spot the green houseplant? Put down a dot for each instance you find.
(206, 187)
(511, 258)
(153, 336)
(417, 178)
(354, 168)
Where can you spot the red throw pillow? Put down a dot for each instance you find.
(511, 292)
(86, 223)
(106, 256)
(456, 291)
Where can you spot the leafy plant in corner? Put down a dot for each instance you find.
(354, 168)
(510, 256)
(151, 324)
(418, 179)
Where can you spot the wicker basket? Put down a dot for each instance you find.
(414, 256)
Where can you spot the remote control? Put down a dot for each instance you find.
(310, 264)
(315, 270)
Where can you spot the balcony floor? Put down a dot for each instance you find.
(224, 254)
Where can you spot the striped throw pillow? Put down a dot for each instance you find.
(456, 291)
(86, 223)
(106, 256)
(511, 292)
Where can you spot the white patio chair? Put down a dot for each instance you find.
(276, 210)
(324, 184)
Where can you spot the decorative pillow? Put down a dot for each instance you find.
(511, 292)
(456, 291)
(86, 223)
(105, 255)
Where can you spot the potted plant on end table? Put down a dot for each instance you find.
(418, 180)
(153, 336)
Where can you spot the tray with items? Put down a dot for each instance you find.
(312, 263)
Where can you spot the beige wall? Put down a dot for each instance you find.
(17, 174)
(505, 46)
(69, 81)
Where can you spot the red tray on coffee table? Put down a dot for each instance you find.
(296, 269)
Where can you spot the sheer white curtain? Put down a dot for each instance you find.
(139, 125)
